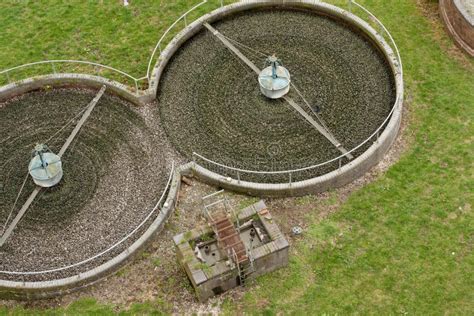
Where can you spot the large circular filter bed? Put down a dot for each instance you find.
(210, 101)
(115, 171)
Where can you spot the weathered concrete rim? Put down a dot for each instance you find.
(347, 173)
(73, 79)
(46, 289)
(458, 22)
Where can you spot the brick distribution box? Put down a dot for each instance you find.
(210, 262)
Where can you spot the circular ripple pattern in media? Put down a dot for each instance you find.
(115, 170)
(210, 102)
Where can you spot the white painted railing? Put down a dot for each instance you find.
(158, 46)
(351, 6)
(54, 64)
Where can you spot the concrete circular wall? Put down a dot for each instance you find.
(345, 174)
(459, 23)
(75, 80)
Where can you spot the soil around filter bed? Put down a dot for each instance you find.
(114, 173)
(210, 102)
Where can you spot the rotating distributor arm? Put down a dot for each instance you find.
(44, 165)
(321, 128)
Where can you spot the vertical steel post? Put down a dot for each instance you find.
(350, 5)
(8, 77)
(54, 68)
(238, 176)
(136, 87)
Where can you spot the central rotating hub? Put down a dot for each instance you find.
(45, 167)
(274, 80)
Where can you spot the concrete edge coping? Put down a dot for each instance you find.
(199, 275)
(337, 178)
(45, 289)
(220, 13)
(72, 79)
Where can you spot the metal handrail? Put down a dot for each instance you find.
(385, 31)
(301, 169)
(108, 249)
(158, 45)
(339, 158)
(82, 62)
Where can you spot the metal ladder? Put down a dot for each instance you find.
(244, 268)
(228, 234)
(215, 200)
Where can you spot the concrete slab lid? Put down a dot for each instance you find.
(199, 277)
(178, 239)
(281, 243)
(260, 205)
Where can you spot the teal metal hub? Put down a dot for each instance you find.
(45, 167)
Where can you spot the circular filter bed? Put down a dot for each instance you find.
(210, 102)
(115, 171)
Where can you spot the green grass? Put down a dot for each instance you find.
(99, 31)
(91, 307)
(403, 244)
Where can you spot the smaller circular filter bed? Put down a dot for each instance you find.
(210, 102)
(115, 171)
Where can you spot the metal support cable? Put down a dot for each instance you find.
(63, 149)
(66, 125)
(126, 237)
(323, 123)
(14, 204)
(320, 119)
(247, 47)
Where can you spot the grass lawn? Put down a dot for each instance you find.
(401, 245)
(102, 31)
